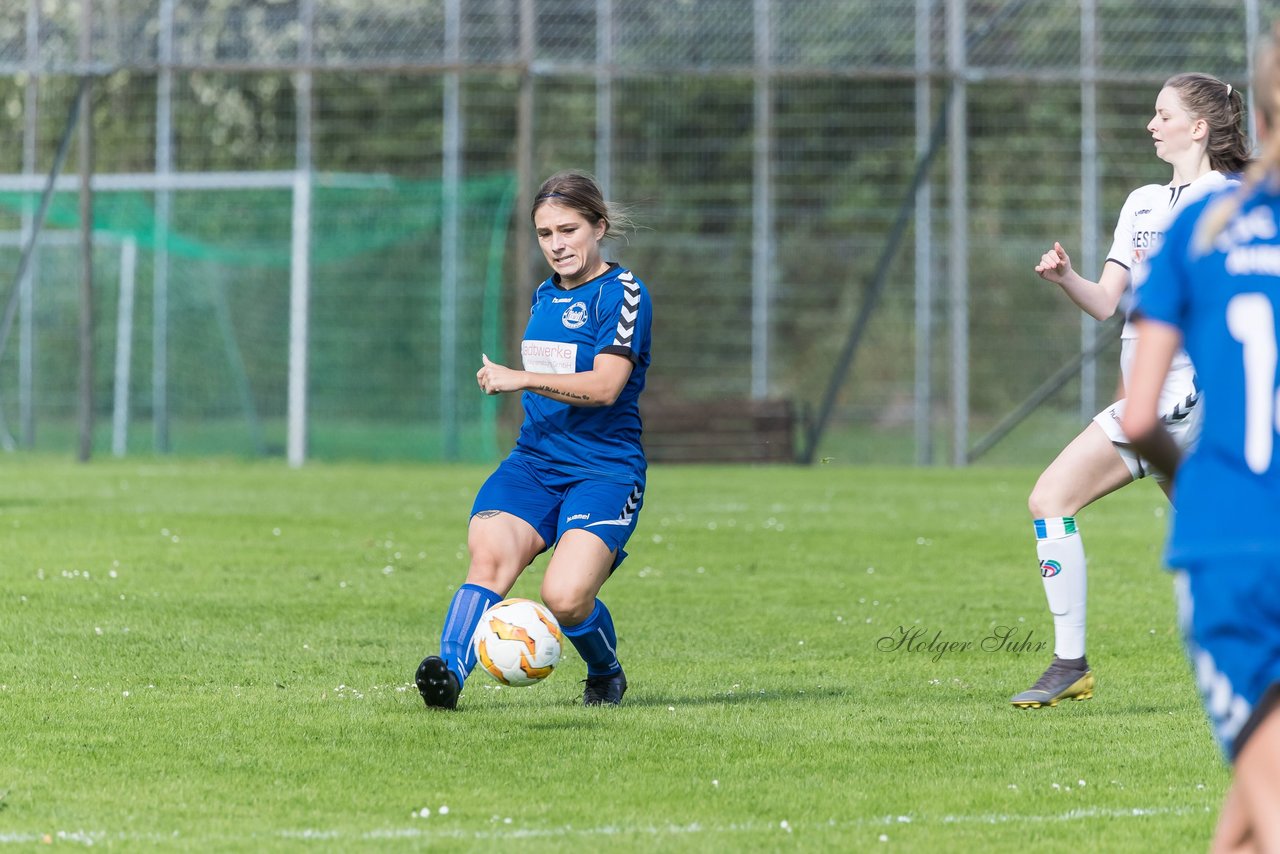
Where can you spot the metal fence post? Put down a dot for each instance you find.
(450, 184)
(164, 212)
(924, 244)
(1089, 193)
(299, 265)
(762, 203)
(958, 257)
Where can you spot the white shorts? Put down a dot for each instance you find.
(1181, 410)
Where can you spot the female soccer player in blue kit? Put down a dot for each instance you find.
(1215, 289)
(575, 479)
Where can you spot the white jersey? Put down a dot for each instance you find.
(1139, 232)
(1146, 214)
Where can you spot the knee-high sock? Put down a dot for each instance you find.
(596, 641)
(460, 621)
(1062, 566)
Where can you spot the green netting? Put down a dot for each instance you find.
(351, 215)
(378, 375)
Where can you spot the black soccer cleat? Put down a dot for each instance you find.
(604, 690)
(437, 684)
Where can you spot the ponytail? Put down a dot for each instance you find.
(1266, 90)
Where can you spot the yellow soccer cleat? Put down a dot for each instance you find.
(1061, 681)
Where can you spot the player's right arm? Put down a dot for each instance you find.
(599, 386)
(1097, 299)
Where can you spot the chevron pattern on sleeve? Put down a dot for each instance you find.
(630, 311)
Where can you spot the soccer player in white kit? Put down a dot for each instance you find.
(1198, 129)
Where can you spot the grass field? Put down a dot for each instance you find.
(218, 655)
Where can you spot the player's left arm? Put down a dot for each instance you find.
(599, 386)
(1157, 344)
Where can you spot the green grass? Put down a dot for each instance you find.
(347, 439)
(328, 439)
(217, 656)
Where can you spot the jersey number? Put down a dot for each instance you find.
(1251, 321)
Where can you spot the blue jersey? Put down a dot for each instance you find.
(1226, 302)
(567, 329)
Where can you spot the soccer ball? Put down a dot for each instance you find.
(518, 642)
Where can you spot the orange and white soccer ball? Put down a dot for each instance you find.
(518, 642)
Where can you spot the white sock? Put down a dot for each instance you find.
(1062, 565)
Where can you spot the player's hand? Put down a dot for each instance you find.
(495, 379)
(1055, 265)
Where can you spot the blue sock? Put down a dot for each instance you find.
(460, 621)
(596, 641)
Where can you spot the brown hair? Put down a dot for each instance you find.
(1222, 108)
(578, 191)
(1266, 91)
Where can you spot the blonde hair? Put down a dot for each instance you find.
(1266, 100)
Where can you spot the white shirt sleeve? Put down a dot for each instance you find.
(1122, 244)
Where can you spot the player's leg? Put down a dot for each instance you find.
(502, 542)
(1232, 833)
(1257, 790)
(1088, 468)
(501, 546)
(1229, 613)
(579, 568)
(597, 520)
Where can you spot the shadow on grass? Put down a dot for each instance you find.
(649, 700)
(734, 698)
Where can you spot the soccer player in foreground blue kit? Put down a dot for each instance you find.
(575, 479)
(1215, 289)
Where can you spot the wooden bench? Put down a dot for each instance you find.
(727, 430)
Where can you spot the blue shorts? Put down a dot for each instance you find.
(554, 503)
(1230, 617)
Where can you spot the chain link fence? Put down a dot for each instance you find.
(310, 215)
